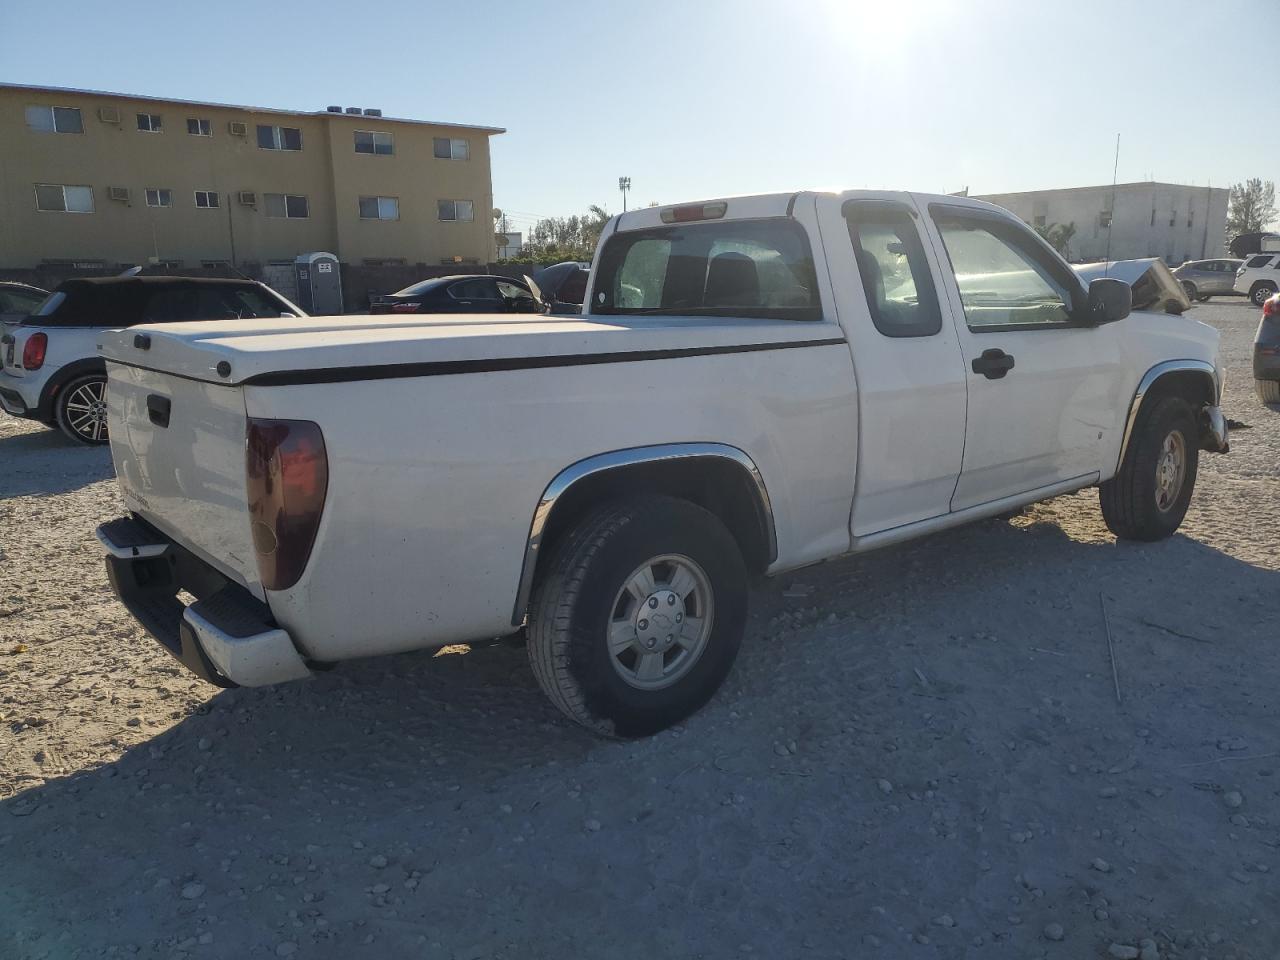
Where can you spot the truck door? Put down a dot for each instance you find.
(1042, 384)
(906, 357)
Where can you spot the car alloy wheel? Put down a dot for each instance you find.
(86, 410)
(1171, 470)
(661, 621)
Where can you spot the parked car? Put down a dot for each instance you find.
(17, 300)
(563, 286)
(50, 369)
(1203, 279)
(1266, 352)
(759, 384)
(1154, 286)
(461, 294)
(1259, 277)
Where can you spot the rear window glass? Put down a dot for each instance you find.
(742, 268)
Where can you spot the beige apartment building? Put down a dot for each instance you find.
(102, 179)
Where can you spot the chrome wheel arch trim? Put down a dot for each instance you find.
(628, 457)
(1148, 381)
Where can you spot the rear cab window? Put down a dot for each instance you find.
(894, 269)
(731, 268)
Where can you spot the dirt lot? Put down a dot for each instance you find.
(924, 758)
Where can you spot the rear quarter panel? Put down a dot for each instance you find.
(434, 480)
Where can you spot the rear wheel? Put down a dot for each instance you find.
(1190, 289)
(638, 617)
(1268, 390)
(1262, 291)
(1149, 496)
(81, 409)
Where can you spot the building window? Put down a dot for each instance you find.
(206, 199)
(455, 210)
(382, 144)
(279, 138)
(54, 119)
(379, 208)
(447, 148)
(1038, 220)
(157, 197)
(286, 206)
(199, 127)
(1173, 218)
(150, 123)
(58, 198)
(1190, 217)
(1104, 219)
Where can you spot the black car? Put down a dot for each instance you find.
(461, 294)
(563, 286)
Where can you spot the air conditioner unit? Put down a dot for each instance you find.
(247, 198)
(109, 114)
(238, 129)
(354, 111)
(333, 109)
(372, 112)
(118, 193)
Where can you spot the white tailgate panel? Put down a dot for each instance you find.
(188, 479)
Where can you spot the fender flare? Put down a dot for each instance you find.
(618, 459)
(1149, 380)
(76, 368)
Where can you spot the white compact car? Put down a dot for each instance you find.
(1259, 277)
(754, 384)
(50, 369)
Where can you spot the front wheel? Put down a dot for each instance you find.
(1149, 496)
(1189, 289)
(1268, 390)
(1262, 292)
(638, 617)
(81, 409)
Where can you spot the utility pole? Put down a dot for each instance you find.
(624, 184)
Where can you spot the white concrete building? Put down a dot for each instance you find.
(1167, 220)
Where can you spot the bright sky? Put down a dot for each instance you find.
(705, 98)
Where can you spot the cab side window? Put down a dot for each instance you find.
(894, 269)
(1004, 280)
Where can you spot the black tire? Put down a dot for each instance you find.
(1261, 292)
(574, 601)
(1129, 500)
(70, 415)
(1189, 288)
(1268, 390)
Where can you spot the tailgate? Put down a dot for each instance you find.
(179, 452)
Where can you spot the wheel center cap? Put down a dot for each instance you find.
(659, 620)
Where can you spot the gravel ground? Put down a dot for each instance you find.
(924, 758)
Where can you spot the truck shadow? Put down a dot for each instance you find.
(434, 760)
(43, 463)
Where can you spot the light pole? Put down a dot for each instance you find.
(624, 184)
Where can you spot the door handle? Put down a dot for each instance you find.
(993, 364)
(158, 408)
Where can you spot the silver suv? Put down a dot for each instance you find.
(1259, 277)
(1203, 279)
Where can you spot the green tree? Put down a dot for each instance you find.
(1058, 235)
(1252, 206)
(554, 239)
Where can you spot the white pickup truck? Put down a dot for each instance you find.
(755, 384)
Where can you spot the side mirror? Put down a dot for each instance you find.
(1109, 300)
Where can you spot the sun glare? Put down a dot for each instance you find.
(876, 28)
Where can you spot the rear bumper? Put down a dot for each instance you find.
(226, 637)
(24, 396)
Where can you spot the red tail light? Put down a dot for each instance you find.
(288, 475)
(34, 350)
(1269, 309)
